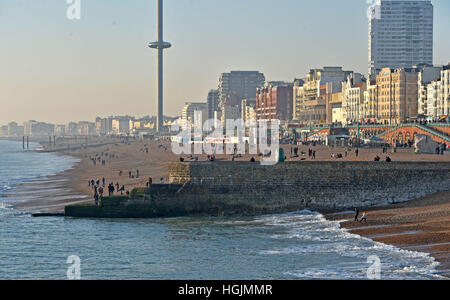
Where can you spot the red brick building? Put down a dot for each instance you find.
(275, 102)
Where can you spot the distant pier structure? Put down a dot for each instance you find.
(160, 45)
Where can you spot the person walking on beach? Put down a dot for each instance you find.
(137, 173)
(100, 191)
(314, 154)
(356, 214)
(103, 181)
(357, 152)
(364, 218)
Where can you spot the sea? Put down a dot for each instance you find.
(295, 246)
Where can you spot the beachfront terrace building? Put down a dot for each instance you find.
(274, 101)
(353, 89)
(426, 76)
(434, 106)
(15, 129)
(121, 125)
(4, 130)
(297, 94)
(60, 130)
(310, 99)
(189, 110)
(72, 128)
(438, 95)
(86, 128)
(34, 128)
(445, 90)
(336, 114)
(248, 110)
(397, 94)
(103, 126)
(369, 107)
(333, 99)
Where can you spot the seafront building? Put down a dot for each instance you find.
(445, 86)
(15, 129)
(333, 100)
(400, 34)
(60, 130)
(297, 96)
(397, 94)
(34, 128)
(248, 110)
(369, 108)
(353, 102)
(4, 130)
(229, 112)
(335, 113)
(434, 106)
(188, 113)
(239, 85)
(274, 101)
(353, 89)
(310, 101)
(426, 76)
(437, 95)
(213, 102)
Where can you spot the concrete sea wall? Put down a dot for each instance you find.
(244, 189)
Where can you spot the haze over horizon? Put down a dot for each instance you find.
(57, 70)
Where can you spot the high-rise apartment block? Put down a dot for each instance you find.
(213, 103)
(400, 34)
(239, 85)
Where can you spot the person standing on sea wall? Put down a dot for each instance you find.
(96, 196)
(149, 184)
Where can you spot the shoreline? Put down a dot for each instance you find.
(420, 225)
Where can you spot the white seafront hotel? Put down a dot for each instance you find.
(400, 34)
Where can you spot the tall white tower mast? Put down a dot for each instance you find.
(160, 45)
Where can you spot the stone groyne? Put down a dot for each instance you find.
(247, 189)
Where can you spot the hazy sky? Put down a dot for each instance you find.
(53, 69)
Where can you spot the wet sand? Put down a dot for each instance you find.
(420, 225)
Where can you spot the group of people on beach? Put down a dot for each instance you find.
(99, 189)
(441, 148)
(363, 218)
(100, 158)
